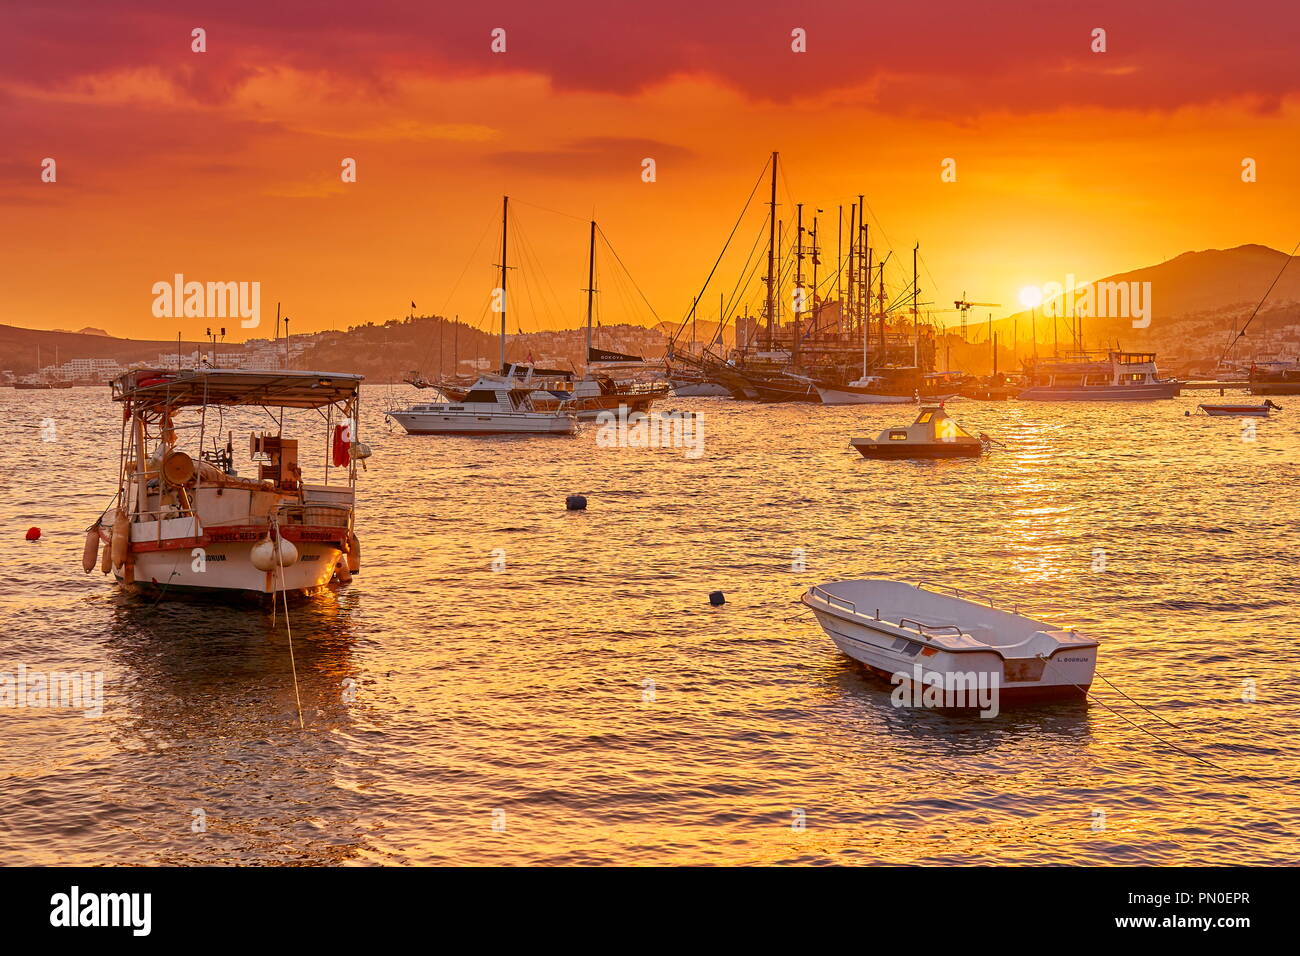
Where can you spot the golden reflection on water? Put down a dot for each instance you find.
(586, 704)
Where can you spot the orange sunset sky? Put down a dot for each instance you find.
(225, 165)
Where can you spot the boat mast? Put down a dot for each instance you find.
(839, 253)
(798, 285)
(771, 256)
(916, 322)
(866, 305)
(849, 307)
(815, 263)
(505, 224)
(882, 306)
(862, 304)
(591, 283)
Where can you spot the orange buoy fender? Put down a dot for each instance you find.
(121, 538)
(106, 556)
(90, 553)
(354, 553)
(342, 573)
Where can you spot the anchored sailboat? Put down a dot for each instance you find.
(493, 405)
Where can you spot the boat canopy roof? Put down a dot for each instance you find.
(932, 425)
(276, 388)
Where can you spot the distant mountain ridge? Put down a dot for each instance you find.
(1205, 292)
(1223, 284)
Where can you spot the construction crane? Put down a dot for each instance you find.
(963, 306)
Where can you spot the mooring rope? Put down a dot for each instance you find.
(293, 666)
(1087, 692)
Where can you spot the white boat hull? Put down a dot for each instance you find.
(228, 567)
(1100, 393)
(700, 390)
(496, 423)
(994, 646)
(836, 396)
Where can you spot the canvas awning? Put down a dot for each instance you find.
(287, 388)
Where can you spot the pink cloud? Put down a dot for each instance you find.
(940, 58)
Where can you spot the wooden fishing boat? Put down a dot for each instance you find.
(933, 435)
(186, 521)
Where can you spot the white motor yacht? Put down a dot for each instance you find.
(492, 406)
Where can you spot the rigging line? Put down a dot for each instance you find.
(543, 281)
(492, 220)
(718, 261)
(557, 212)
(628, 272)
(737, 296)
(1240, 334)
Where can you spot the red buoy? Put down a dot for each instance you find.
(33, 534)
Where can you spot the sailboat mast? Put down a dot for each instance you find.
(798, 285)
(591, 283)
(815, 261)
(505, 225)
(916, 321)
(866, 305)
(849, 307)
(771, 257)
(882, 306)
(839, 253)
(864, 277)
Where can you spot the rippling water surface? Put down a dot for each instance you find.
(502, 716)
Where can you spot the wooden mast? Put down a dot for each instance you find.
(771, 258)
(882, 306)
(591, 286)
(866, 301)
(848, 307)
(505, 225)
(798, 286)
(839, 254)
(916, 319)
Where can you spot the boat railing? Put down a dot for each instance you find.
(905, 623)
(832, 599)
(927, 629)
(959, 592)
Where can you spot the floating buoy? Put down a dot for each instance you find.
(354, 553)
(717, 599)
(90, 553)
(575, 503)
(33, 534)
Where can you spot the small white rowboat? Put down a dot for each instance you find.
(1240, 411)
(910, 633)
